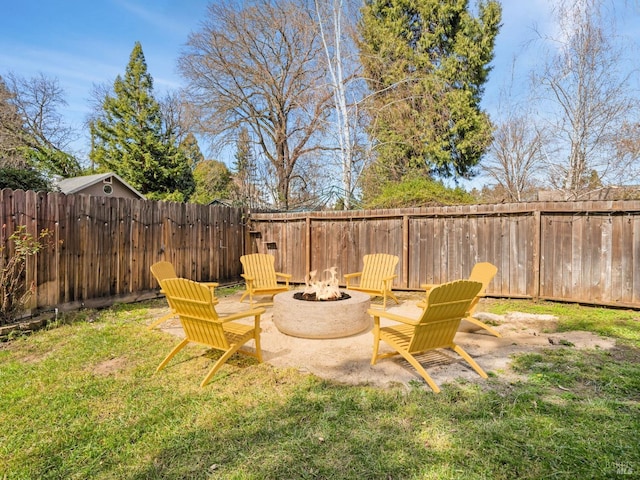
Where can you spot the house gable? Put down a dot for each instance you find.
(99, 185)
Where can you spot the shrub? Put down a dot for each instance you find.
(23, 179)
(14, 294)
(418, 192)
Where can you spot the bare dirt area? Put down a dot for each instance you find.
(347, 360)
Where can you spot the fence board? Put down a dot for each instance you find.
(580, 251)
(102, 247)
(574, 251)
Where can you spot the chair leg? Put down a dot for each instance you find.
(244, 295)
(219, 363)
(161, 320)
(460, 351)
(376, 339)
(376, 344)
(179, 347)
(384, 298)
(256, 339)
(423, 373)
(477, 322)
(392, 295)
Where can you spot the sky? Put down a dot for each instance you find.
(83, 43)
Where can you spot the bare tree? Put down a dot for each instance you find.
(43, 136)
(592, 96)
(259, 65)
(628, 146)
(176, 116)
(515, 157)
(10, 130)
(341, 52)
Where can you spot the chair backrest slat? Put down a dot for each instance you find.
(198, 316)
(376, 267)
(446, 306)
(260, 266)
(163, 270)
(482, 272)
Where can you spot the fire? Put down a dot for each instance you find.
(324, 289)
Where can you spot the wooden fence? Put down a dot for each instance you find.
(103, 247)
(570, 251)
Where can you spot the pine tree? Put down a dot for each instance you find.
(192, 150)
(426, 62)
(129, 138)
(244, 167)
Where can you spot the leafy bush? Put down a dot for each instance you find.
(13, 292)
(419, 192)
(22, 179)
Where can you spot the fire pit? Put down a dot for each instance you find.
(321, 319)
(322, 310)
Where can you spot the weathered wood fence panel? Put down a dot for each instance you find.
(102, 247)
(579, 252)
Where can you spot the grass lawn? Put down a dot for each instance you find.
(80, 400)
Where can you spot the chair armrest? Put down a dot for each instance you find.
(427, 287)
(388, 281)
(246, 313)
(392, 316)
(212, 288)
(248, 280)
(350, 276)
(286, 276)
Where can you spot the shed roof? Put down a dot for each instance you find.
(77, 184)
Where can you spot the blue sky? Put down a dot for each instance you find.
(87, 42)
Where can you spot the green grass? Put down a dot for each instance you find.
(81, 400)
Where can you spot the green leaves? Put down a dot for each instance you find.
(131, 140)
(426, 62)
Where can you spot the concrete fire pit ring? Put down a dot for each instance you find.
(322, 319)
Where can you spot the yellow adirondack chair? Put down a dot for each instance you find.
(261, 277)
(164, 270)
(376, 277)
(482, 272)
(446, 305)
(202, 325)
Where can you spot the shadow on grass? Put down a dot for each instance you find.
(577, 417)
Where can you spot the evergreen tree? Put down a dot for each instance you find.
(426, 62)
(22, 178)
(192, 150)
(213, 181)
(129, 137)
(244, 167)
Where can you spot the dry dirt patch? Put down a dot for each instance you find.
(110, 366)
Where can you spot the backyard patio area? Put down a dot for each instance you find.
(347, 360)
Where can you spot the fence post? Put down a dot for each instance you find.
(307, 253)
(405, 250)
(536, 255)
